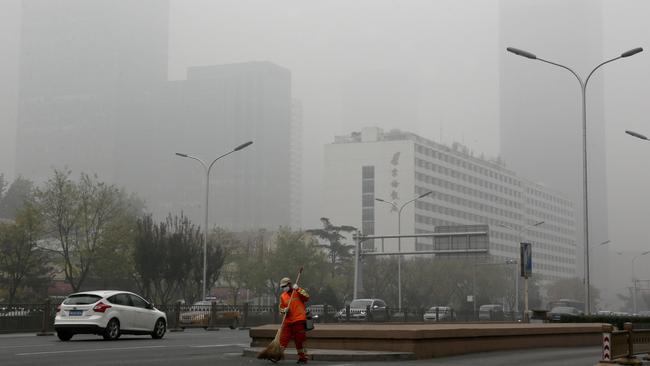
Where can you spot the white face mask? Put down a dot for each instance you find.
(286, 289)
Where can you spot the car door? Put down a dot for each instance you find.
(122, 303)
(379, 310)
(144, 319)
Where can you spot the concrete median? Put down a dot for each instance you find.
(437, 340)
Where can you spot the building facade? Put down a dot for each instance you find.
(398, 166)
(95, 98)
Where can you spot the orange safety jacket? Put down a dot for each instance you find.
(297, 311)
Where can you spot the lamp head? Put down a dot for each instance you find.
(243, 146)
(522, 53)
(632, 52)
(636, 134)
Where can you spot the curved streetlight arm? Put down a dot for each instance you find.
(205, 166)
(240, 147)
(384, 201)
(413, 200)
(597, 67)
(582, 85)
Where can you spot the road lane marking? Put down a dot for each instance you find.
(29, 345)
(88, 350)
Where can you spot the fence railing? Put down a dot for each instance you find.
(621, 346)
(40, 317)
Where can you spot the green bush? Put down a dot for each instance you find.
(617, 321)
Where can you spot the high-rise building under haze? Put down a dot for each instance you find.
(541, 121)
(95, 98)
(79, 60)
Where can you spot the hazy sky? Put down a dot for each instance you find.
(438, 61)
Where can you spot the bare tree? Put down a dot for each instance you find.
(78, 217)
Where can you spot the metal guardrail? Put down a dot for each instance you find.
(621, 346)
(40, 317)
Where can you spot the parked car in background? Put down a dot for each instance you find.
(109, 314)
(491, 312)
(359, 309)
(317, 312)
(644, 313)
(557, 312)
(440, 314)
(198, 315)
(605, 312)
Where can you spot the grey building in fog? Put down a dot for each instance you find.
(80, 59)
(214, 110)
(541, 123)
(95, 98)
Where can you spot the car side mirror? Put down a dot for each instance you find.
(376, 307)
(149, 306)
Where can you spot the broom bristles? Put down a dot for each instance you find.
(272, 352)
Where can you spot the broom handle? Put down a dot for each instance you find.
(277, 335)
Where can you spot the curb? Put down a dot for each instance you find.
(337, 355)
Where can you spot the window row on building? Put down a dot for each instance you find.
(471, 179)
(463, 189)
(465, 164)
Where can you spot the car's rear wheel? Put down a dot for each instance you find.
(64, 336)
(159, 329)
(112, 331)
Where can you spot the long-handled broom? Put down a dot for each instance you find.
(273, 351)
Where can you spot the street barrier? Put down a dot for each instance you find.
(40, 317)
(621, 346)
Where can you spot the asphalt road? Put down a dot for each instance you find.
(224, 347)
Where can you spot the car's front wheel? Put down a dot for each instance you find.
(112, 331)
(159, 329)
(64, 336)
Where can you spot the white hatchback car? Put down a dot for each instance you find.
(109, 314)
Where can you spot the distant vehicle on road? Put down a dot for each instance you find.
(199, 316)
(491, 312)
(359, 308)
(109, 314)
(580, 305)
(440, 314)
(644, 313)
(557, 312)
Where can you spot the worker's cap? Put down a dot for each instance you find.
(285, 281)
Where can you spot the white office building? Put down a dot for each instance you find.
(398, 166)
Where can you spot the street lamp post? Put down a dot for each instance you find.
(207, 169)
(634, 280)
(399, 241)
(583, 89)
(519, 238)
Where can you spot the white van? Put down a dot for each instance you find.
(491, 312)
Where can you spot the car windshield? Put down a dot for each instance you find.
(360, 303)
(82, 299)
(562, 309)
(441, 309)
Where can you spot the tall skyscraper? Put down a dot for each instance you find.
(541, 124)
(95, 98)
(217, 108)
(79, 60)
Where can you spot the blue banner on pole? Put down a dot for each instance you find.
(526, 256)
